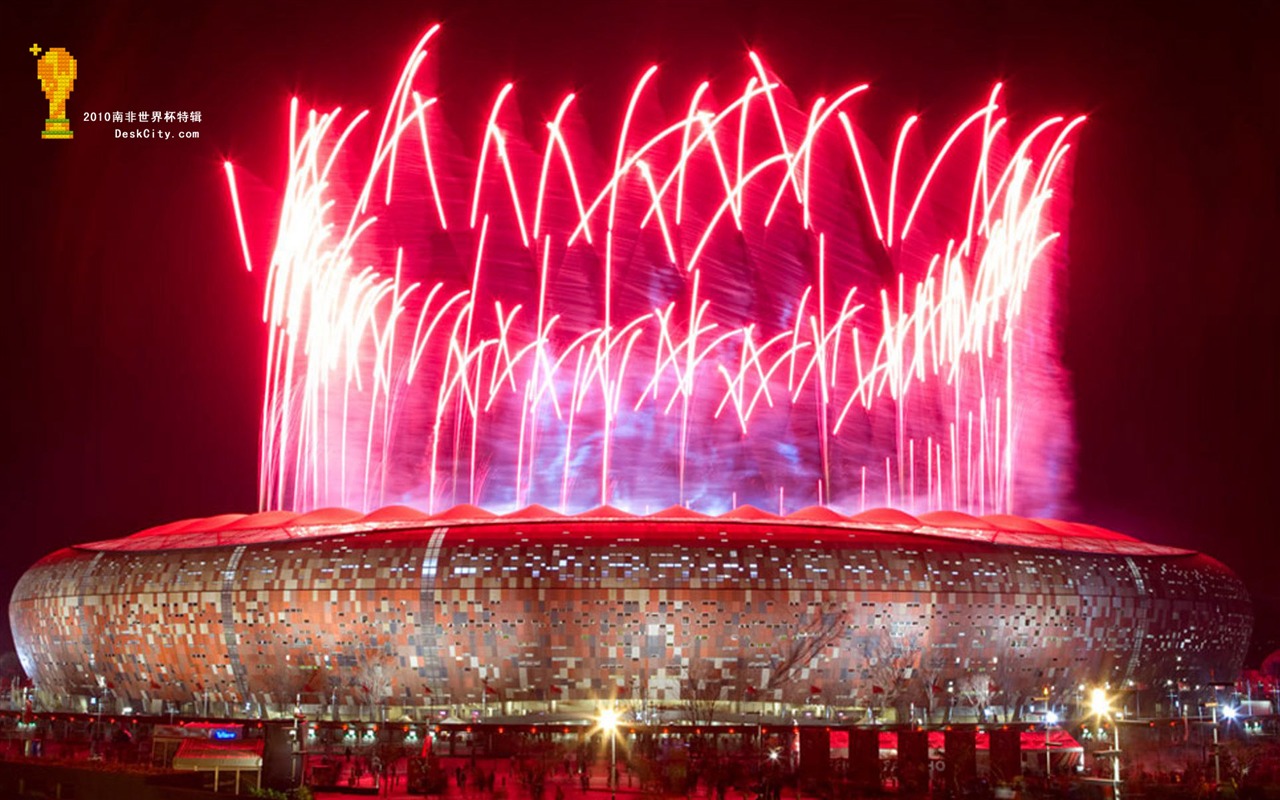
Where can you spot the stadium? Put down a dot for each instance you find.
(677, 615)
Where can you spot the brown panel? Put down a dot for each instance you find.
(961, 757)
(913, 761)
(864, 757)
(815, 753)
(1006, 754)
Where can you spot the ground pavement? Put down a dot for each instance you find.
(560, 785)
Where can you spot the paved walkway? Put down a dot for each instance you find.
(559, 786)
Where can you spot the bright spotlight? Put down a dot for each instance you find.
(1098, 702)
(608, 719)
(1051, 718)
(1230, 712)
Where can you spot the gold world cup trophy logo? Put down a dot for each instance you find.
(57, 72)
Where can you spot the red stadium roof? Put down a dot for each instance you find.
(749, 513)
(807, 523)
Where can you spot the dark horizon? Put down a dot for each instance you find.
(133, 332)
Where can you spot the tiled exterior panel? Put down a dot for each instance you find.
(584, 609)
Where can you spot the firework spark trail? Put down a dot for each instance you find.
(685, 331)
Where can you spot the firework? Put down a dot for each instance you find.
(743, 302)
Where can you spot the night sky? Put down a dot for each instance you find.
(133, 346)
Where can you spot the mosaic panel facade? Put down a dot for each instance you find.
(586, 609)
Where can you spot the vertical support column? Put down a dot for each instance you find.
(913, 761)
(864, 758)
(961, 746)
(815, 753)
(1006, 754)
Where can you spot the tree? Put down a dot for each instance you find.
(796, 652)
(333, 690)
(11, 675)
(930, 691)
(10, 667)
(1271, 667)
(1013, 684)
(976, 689)
(700, 690)
(284, 684)
(891, 662)
(372, 682)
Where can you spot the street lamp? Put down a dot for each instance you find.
(1100, 704)
(770, 768)
(1217, 763)
(608, 722)
(1048, 759)
(1050, 718)
(97, 727)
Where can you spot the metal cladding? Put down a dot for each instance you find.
(395, 606)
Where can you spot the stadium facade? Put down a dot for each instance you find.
(532, 611)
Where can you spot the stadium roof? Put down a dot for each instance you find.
(811, 524)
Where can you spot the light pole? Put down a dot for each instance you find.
(1050, 718)
(94, 749)
(1217, 764)
(608, 721)
(1101, 706)
(1048, 760)
(773, 767)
